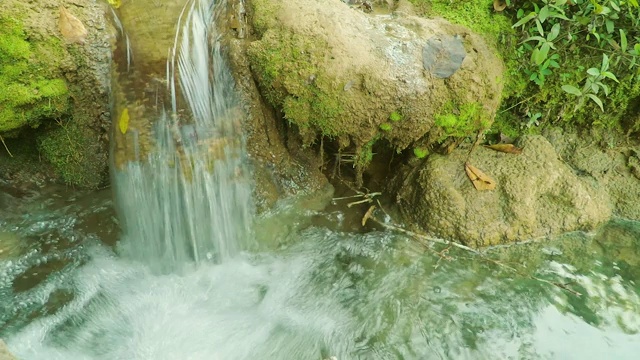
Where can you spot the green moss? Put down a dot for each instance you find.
(365, 155)
(289, 70)
(420, 153)
(67, 147)
(31, 88)
(385, 127)
(477, 15)
(263, 15)
(461, 121)
(395, 116)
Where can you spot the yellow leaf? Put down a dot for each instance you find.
(115, 3)
(123, 123)
(70, 27)
(479, 179)
(368, 214)
(505, 148)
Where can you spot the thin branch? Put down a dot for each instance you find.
(442, 254)
(5, 146)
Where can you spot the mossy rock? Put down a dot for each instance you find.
(54, 94)
(32, 88)
(335, 71)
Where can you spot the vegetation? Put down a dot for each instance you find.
(31, 89)
(461, 120)
(420, 153)
(292, 81)
(569, 63)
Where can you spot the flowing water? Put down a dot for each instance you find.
(188, 278)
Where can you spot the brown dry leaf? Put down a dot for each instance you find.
(505, 148)
(71, 28)
(499, 5)
(368, 214)
(479, 179)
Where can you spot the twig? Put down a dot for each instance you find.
(442, 254)
(5, 146)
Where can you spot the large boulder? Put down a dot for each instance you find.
(537, 194)
(336, 71)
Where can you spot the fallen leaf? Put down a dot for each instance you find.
(123, 123)
(499, 5)
(368, 214)
(505, 148)
(71, 28)
(479, 179)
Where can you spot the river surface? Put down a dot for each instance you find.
(172, 262)
(310, 292)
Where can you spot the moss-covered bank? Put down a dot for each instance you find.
(53, 94)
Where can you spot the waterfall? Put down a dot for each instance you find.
(187, 198)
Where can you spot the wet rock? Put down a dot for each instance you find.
(4, 352)
(537, 194)
(364, 68)
(613, 168)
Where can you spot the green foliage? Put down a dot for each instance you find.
(385, 127)
(420, 153)
(30, 88)
(585, 48)
(395, 116)
(365, 155)
(461, 121)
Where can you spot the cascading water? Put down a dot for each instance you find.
(183, 191)
(189, 198)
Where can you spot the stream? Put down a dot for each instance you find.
(173, 263)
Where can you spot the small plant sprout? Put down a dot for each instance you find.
(385, 127)
(593, 84)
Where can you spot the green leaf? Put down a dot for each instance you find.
(539, 26)
(633, 3)
(539, 39)
(572, 90)
(623, 41)
(544, 13)
(614, 6)
(524, 20)
(597, 101)
(593, 72)
(555, 30)
(560, 2)
(609, 75)
(610, 26)
(636, 48)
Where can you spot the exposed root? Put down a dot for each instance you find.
(5, 146)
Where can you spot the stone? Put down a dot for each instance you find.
(537, 195)
(4, 352)
(443, 55)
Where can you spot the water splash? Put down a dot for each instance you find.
(189, 199)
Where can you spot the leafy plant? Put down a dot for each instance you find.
(558, 40)
(594, 83)
(385, 127)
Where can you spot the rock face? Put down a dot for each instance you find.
(614, 168)
(57, 86)
(336, 71)
(4, 352)
(537, 194)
